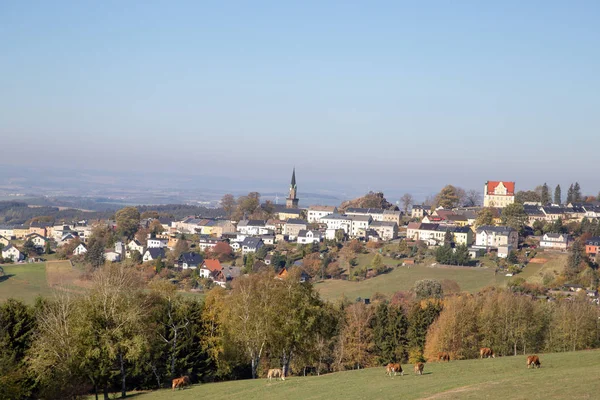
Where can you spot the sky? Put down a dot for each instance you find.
(380, 95)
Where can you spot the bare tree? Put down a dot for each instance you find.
(406, 200)
(472, 198)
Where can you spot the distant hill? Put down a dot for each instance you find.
(370, 200)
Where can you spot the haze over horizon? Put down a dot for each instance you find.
(387, 96)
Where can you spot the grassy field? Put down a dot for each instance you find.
(403, 278)
(563, 375)
(24, 282)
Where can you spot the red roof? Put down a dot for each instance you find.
(510, 187)
(212, 264)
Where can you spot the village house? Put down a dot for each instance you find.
(189, 260)
(555, 241)
(112, 256)
(153, 254)
(292, 227)
(498, 194)
(315, 213)
(252, 227)
(386, 230)
(376, 214)
(83, 231)
(222, 227)
(59, 231)
(135, 245)
(208, 267)
(288, 213)
(251, 245)
(419, 211)
(359, 226)
(496, 236)
(187, 225)
(40, 228)
(534, 213)
(236, 246)
(4, 241)
(80, 250)
(207, 243)
(10, 252)
(592, 245)
(66, 238)
(552, 213)
(268, 239)
(38, 240)
(20, 232)
(7, 231)
(155, 242)
(308, 237)
(337, 221)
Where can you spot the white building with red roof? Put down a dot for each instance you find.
(498, 194)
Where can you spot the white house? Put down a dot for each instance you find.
(496, 236)
(251, 245)
(337, 221)
(360, 224)
(153, 254)
(135, 245)
(38, 240)
(315, 213)
(252, 227)
(66, 238)
(293, 226)
(385, 229)
(307, 237)
(79, 250)
(7, 231)
(209, 267)
(376, 214)
(558, 241)
(4, 241)
(189, 260)
(498, 194)
(112, 256)
(157, 243)
(11, 252)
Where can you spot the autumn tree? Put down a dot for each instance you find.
(448, 197)
(485, 216)
(355, 345)
(128, 220)
(228, 203)
(222, 251)
(514, 216)
(428, 288)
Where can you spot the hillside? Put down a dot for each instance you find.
(370, 200)
(563, 375)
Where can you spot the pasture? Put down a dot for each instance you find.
(563, 375)
(470, 279)
(25, 282)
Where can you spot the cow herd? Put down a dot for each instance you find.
(391, 368)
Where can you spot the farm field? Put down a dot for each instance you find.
(563, 375)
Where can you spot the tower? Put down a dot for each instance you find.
(292, 199)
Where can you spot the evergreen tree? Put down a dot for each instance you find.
(461, 255)
(444, 254)
(390, 329)
(577, 198)
(557, 195)
(420, 317)
(29, 248)
(576, 261)
(95, 254)
(570, 194)
(545, 194)
(47, 248)
(448, 237)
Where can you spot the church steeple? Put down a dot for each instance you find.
(292, 200)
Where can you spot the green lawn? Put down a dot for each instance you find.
(470, 279)
(24, 282)
(562, 376)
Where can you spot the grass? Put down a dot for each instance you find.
(24, 282)
(534, 273)
(563, 375)
(470, 279)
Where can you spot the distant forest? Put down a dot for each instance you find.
(17, 213)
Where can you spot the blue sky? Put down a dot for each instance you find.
(379, 95)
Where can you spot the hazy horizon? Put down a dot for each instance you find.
(390, 96)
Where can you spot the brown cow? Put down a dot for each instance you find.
(443, 356)
(181, 382)
(275, 373)
(419, 368)
(486, 352)
(395, 368)
(533, 361)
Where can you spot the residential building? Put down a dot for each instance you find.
(135, 245)
(251, 245)
(386, 230)
(40, 228)
(376, 214)
(4, 241)
(66, 238)
(153, 254)
(498, 194)
(338, 221)
(154, 242)
(7, 231)
(315, 213)
(419, 211)
(359, 226)
(222, 227)
(556, 241)
(80, 249)
(209, 267)
(308, 237)
(12, 253)
(392, 216)
(112, 256)
(592, 247)
(205, 243)
(189, 260)
(38, 240)
(252, 227)
(20, 232)
(287, 213)
(292, 200)
(496, 236)
(553, 213)
(293, 226)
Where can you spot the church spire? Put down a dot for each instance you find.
(293, 184)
